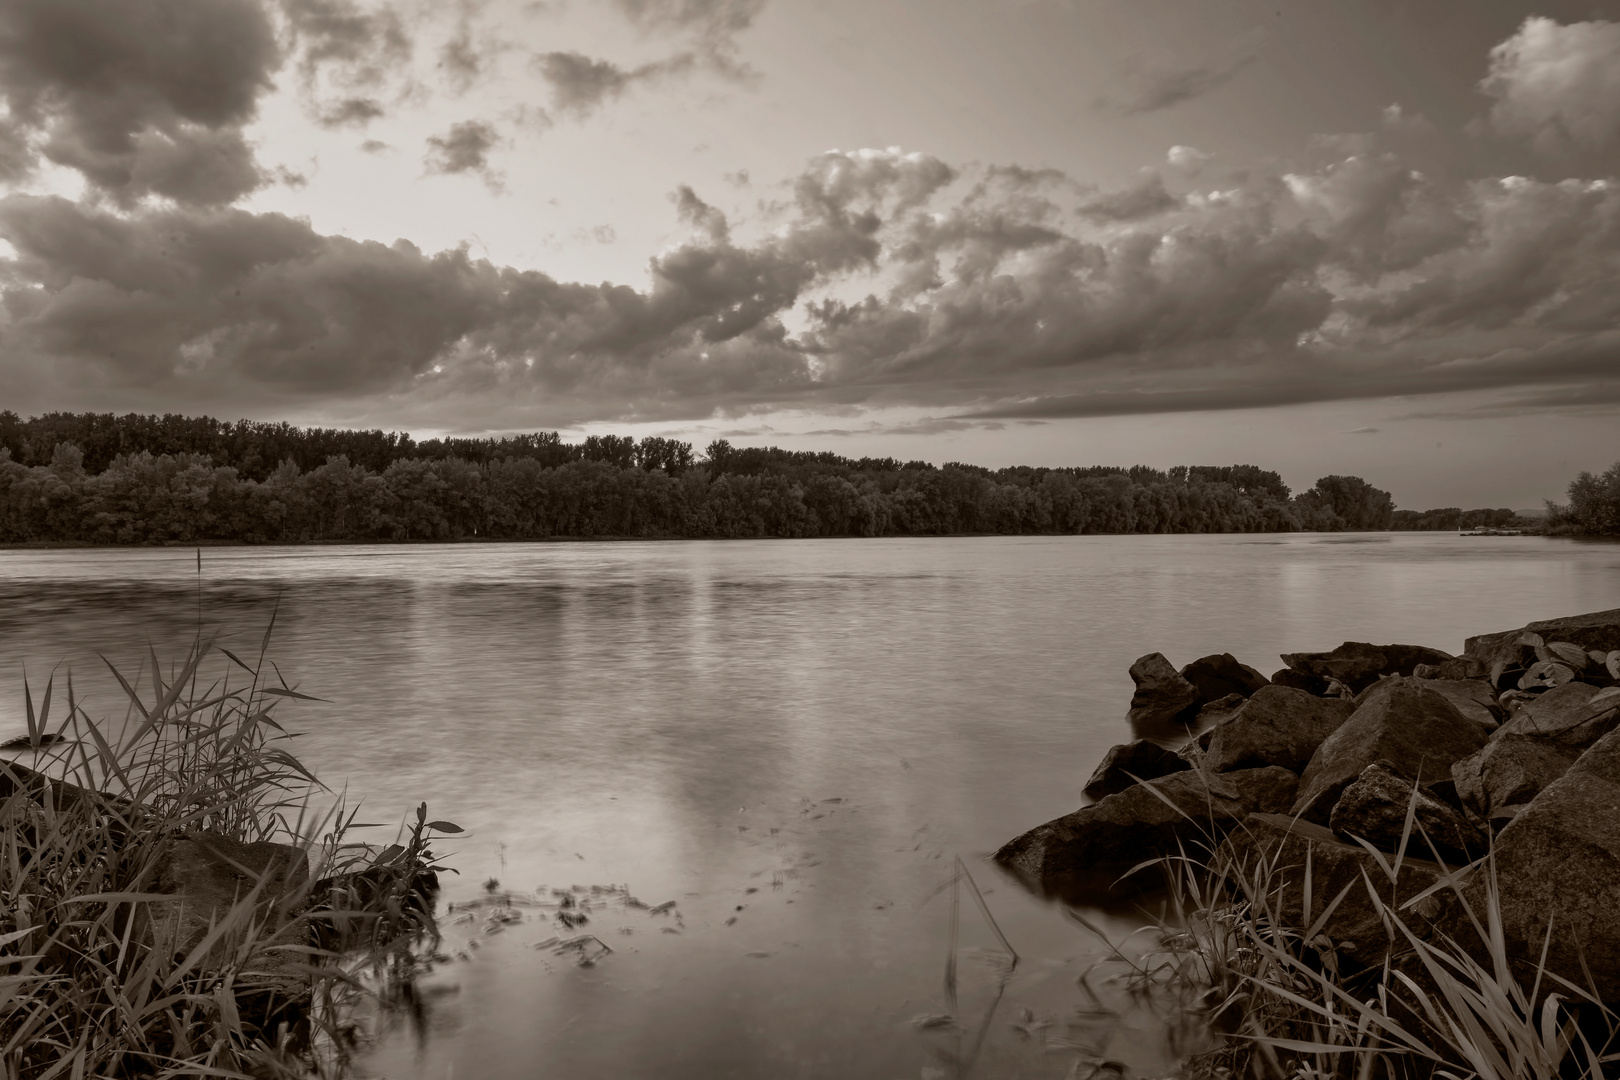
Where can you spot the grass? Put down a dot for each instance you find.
(105, 974)
(1251, 993)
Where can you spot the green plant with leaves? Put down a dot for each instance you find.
(102, 974)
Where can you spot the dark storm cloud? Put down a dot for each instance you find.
(885, 278)
(140, 96)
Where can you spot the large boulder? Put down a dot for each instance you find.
(1413, 728)
(1474, 698)
(1510, 770)
(209, 875)
(1219, 674)
(1162, 695)
(1575, 714)
(1599, 630)
(1299, 680)
(1269, 855)
(1358, 665)
(1558, 862)
(1093, 846)
(1375, 808)
(1279, 725)
(1130, 763)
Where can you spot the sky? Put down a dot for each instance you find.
(1376, 237)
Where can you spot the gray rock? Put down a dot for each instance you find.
(1412, 727)
(1270, 852)
(209, 875)
(1162, 695)
(1219, 675)
(1358, 665)
(1279, 725)
(1461, 667)
(1299, 680)
(1474, 698)
(1375, 808)
(1595, 630)
(1575, 714)
(1128, 763)
(1558, 860)
(1510, 769)
(1091, 847)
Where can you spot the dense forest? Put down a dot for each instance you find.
(100, 478)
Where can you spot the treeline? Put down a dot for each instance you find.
(1593, 509)
(1453, 519)
(152, 480)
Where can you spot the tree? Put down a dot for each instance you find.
(1594, 506)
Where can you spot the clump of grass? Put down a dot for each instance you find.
(1252, 993)
(100, 972)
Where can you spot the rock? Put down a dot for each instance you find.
(1091, 847)
(209, 873)
(1270, 853)
(1128, 763)
(1358, 665)
(1416, 729)
(1298, 680)
(1512, 768)
(1375, 808)
(1461, 667)
(1559, 860)
(1279, 725)
(1596, 630)
(1162, 695)
(1474, 698)
(1219, 675)
(1574, 714)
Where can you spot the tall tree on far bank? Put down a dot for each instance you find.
(1347, 502)
(1594, 506)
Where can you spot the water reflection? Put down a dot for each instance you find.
(676, 718)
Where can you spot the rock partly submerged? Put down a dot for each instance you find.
(1347, 757)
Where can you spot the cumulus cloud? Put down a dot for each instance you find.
(1558, 83)
(142, 97)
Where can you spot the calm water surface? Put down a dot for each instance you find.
(792, 740)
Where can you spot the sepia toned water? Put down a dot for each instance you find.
(792, 740)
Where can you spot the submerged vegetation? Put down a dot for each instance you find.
(171, 903)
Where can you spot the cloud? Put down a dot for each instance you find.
(344, 53)
(1560, 84)
(1144, 88)
(463, 149)
(141, 97)
(1188, 159)
(887, 278)
(1361, 431)
(1144, 199)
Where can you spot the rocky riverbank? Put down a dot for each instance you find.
(1499, 768)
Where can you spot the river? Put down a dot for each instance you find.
(792, 740)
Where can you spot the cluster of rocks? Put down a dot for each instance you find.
(1510, 749)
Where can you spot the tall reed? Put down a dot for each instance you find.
(101, 974)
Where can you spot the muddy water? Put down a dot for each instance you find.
(793, 741)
